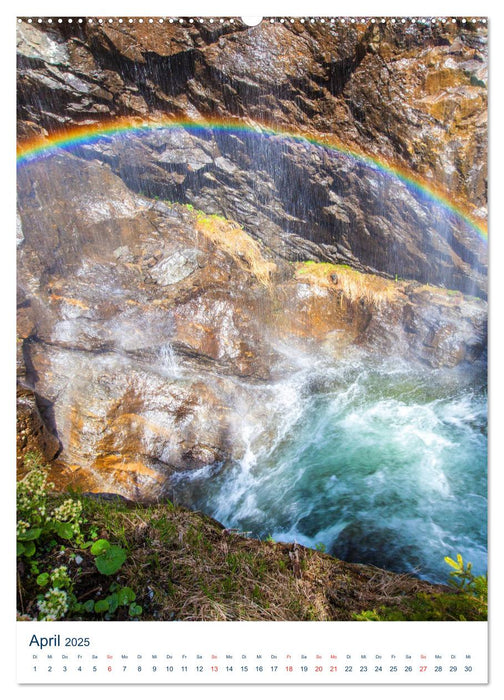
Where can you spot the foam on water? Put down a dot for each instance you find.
(384, 466)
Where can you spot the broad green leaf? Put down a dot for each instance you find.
(32, 534)
(99, 547)
(101, 606)
(43, 579)
(29, 550)
(113, 602)
(135, 609)
(110, 560)
(64, 530)
(126, 596)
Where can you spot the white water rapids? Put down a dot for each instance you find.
(383, 465)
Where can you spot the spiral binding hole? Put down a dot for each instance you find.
(255, 21)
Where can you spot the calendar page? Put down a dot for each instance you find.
(252, 295)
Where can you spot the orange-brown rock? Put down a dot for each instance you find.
(148, 347)
(32, 433)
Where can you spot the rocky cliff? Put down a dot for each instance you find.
(162, 274)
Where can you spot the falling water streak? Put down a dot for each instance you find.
(168, 363)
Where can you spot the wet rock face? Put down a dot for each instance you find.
(130, 319)
(414, 95)
(32, 432)
(150, 332)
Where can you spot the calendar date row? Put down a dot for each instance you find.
(142, 668)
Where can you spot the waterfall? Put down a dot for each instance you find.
(168, 364)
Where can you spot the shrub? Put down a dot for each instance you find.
(468, 602)
(46, 532)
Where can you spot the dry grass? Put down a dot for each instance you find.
(442, 296)
(230, 237)
(355, 286)
(186, 566)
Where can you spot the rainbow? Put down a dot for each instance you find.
(40, 147)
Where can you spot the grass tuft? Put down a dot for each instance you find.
(230, 237)
(356, 286)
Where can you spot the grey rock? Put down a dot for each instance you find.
(176, 267)
(33, 43)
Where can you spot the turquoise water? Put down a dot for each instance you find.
(383, 465)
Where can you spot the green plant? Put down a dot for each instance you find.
(116, 598)
(367, 616)
(50, 529)
(108, 557)
(32, 459)
(474, 587)
(467, 602)
(37, 522)
(54, 604)
(462, 576)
